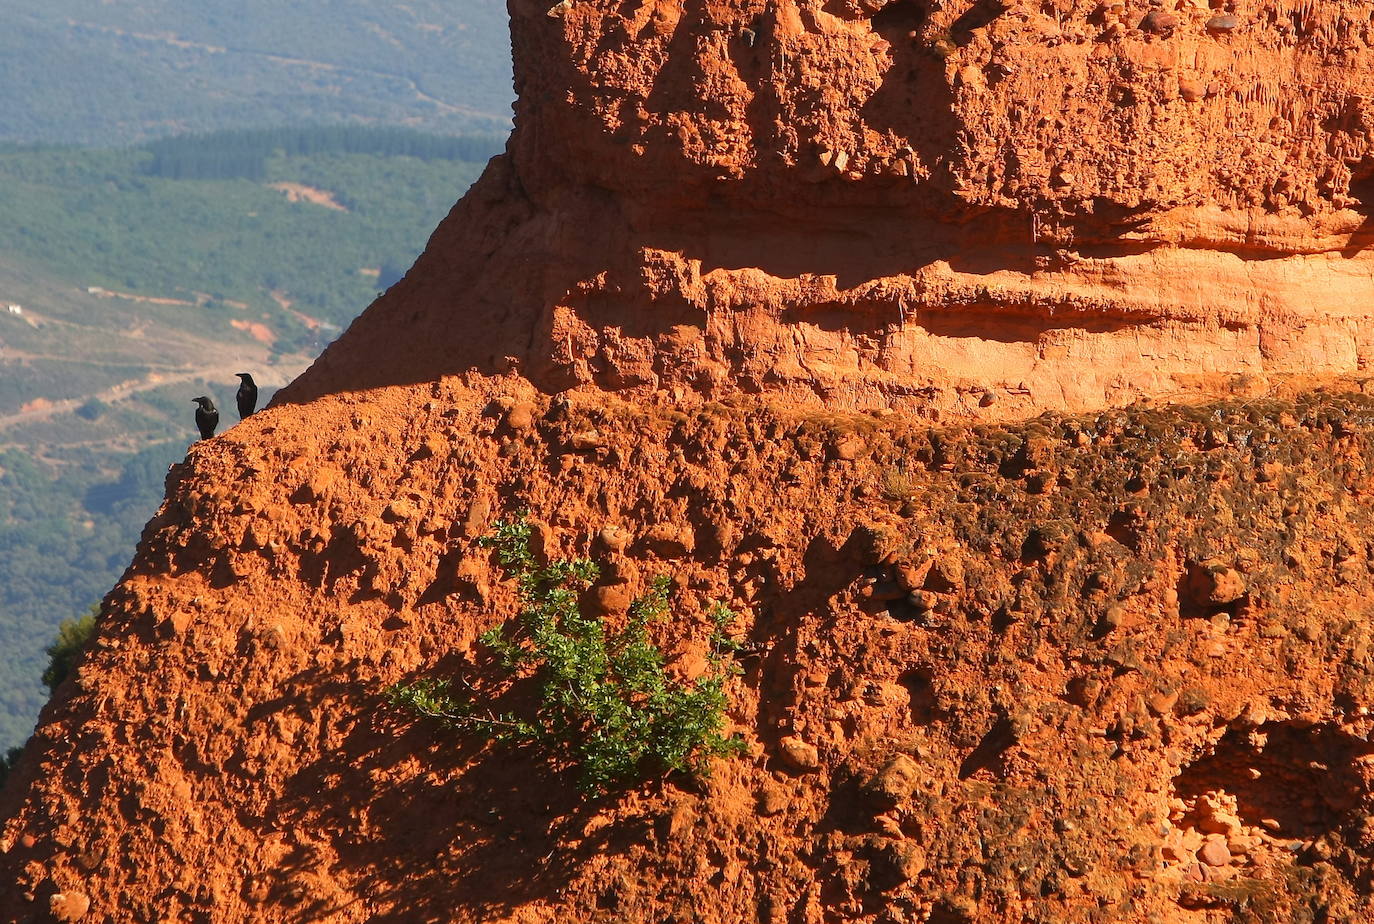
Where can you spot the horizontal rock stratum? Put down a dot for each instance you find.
(926, 206)
(1000, 365)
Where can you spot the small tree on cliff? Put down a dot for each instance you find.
(605, 699)
(72, 636)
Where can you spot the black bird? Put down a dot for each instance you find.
(207, 417)
(247, 395)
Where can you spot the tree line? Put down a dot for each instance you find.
(243, 154)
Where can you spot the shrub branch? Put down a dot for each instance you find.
(606, 701)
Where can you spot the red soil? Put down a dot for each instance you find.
(1108, 665)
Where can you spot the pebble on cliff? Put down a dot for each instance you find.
(799, 755)
(1158, 22)
(585, 440)
(894, 783)
(1215, 853)
(520, 416)
(1224, 24)
(69, 906)
(849, 447)
(908, 861)
(772, 800)
(612, 599)
(614, 538)
(1214, 583)
(543, 542)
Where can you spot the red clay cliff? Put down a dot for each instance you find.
(767, 298)
(923, 206)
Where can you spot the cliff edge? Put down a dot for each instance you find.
(1000, 365)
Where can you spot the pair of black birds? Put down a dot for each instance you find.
(207, 415)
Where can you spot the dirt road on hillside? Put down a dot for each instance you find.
(276, 376)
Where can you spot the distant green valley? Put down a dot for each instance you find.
(307, 239)
(132, 280)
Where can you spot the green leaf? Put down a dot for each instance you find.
(607, 702)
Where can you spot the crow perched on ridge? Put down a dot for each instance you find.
(247, 395)
(207, 417)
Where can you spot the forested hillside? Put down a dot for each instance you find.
(95, 72)
(141, 278)
(66, 532)
(306, 239)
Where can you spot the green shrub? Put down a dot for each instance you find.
(93, 409)
(606, 702)
(72, 636)
(8, 760)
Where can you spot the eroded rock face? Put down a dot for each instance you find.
(963, 210)
(1098, 666)
(977, 681)
(1071, 113)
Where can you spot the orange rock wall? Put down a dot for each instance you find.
(1112, 666)
(1103, 669)
(1054, 204)
(956, 210)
